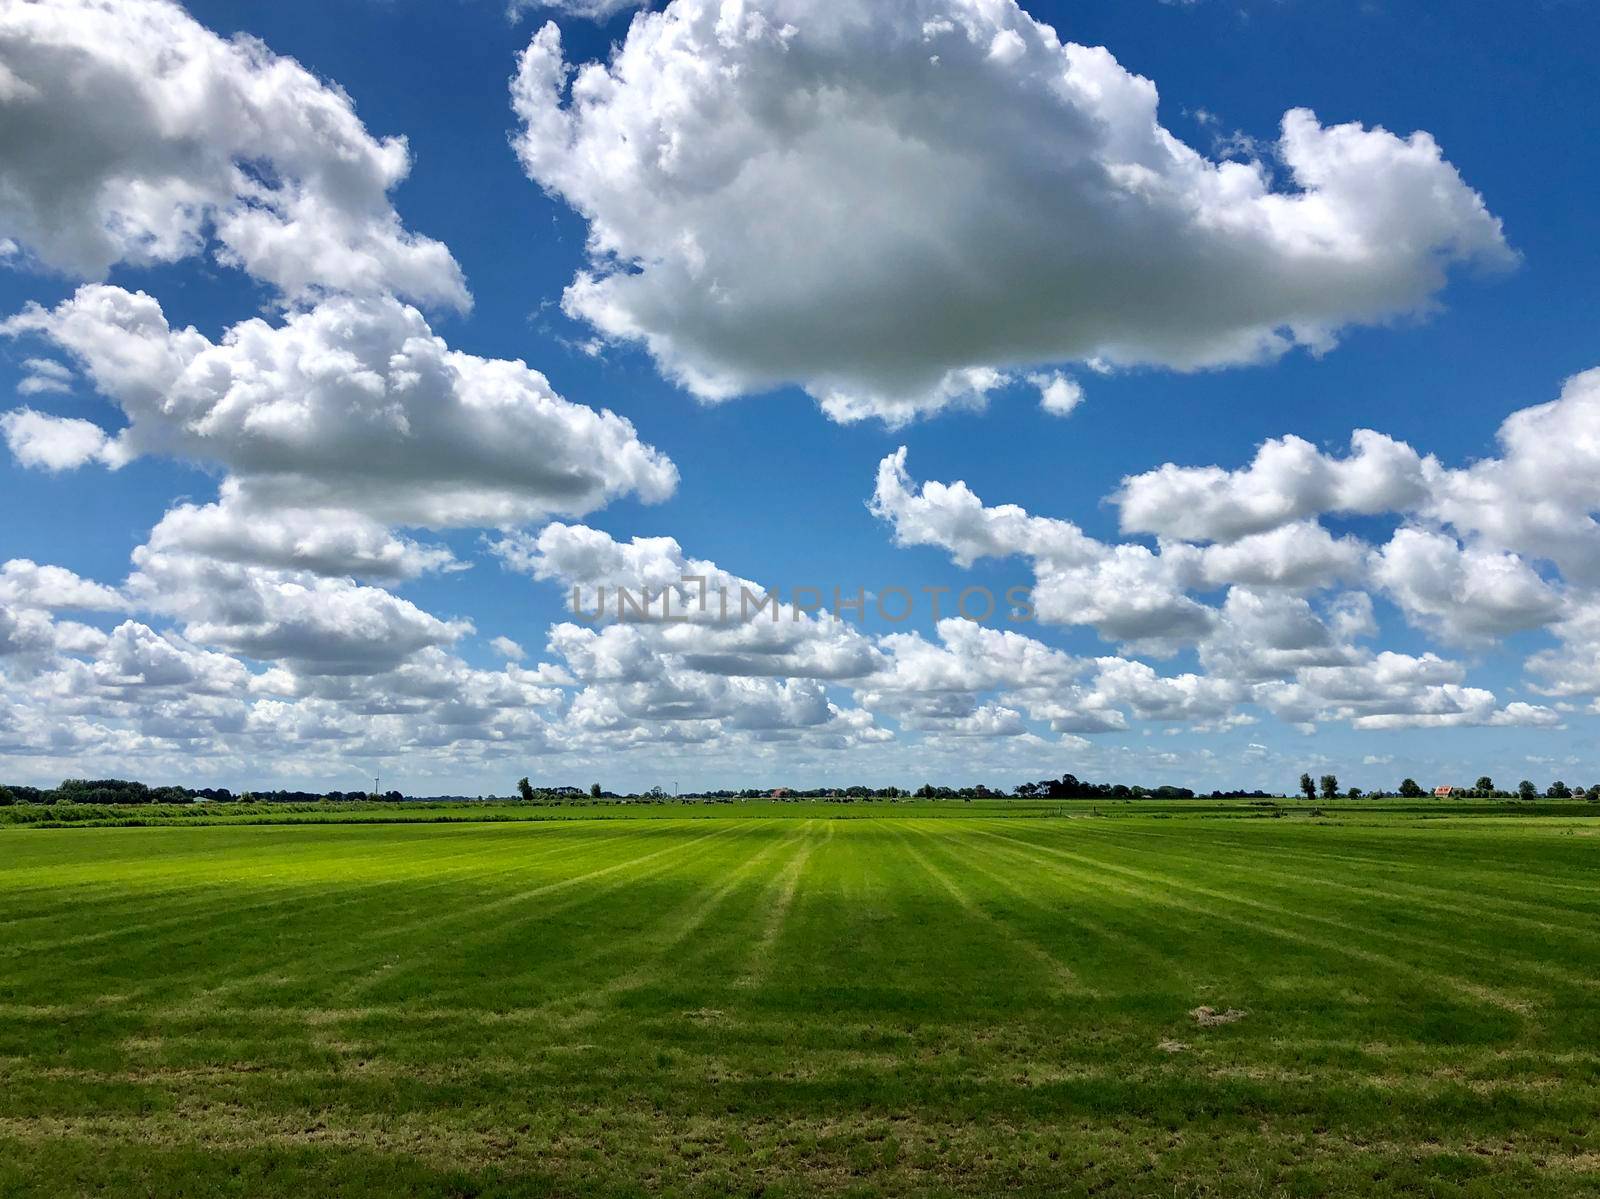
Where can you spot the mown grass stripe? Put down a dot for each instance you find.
(1063, 974)
(1462, 986)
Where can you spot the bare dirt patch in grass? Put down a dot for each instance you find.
(1209, 1017)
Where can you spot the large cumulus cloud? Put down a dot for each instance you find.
(353, 405)
(1506, 544)
(131, 133)
(895, 206)
(1287, 636)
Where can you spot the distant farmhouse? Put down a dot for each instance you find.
(1444, 792)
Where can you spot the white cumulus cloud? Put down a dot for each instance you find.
(131, 133)
(53, 443)
(353, 405)
(897, 206)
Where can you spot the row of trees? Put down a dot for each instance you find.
(100, 791)
(531, 794)
(1484, 788)
(127, 791)
(1069, 786)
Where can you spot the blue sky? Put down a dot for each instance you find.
(770, 487)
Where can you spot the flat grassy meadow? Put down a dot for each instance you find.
(1065, 999)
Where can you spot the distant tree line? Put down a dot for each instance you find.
(103, 791)
(1328, 787)
(127, 791)
(124, 791)
(1068, 786)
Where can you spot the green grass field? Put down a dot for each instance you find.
(866, 1000)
